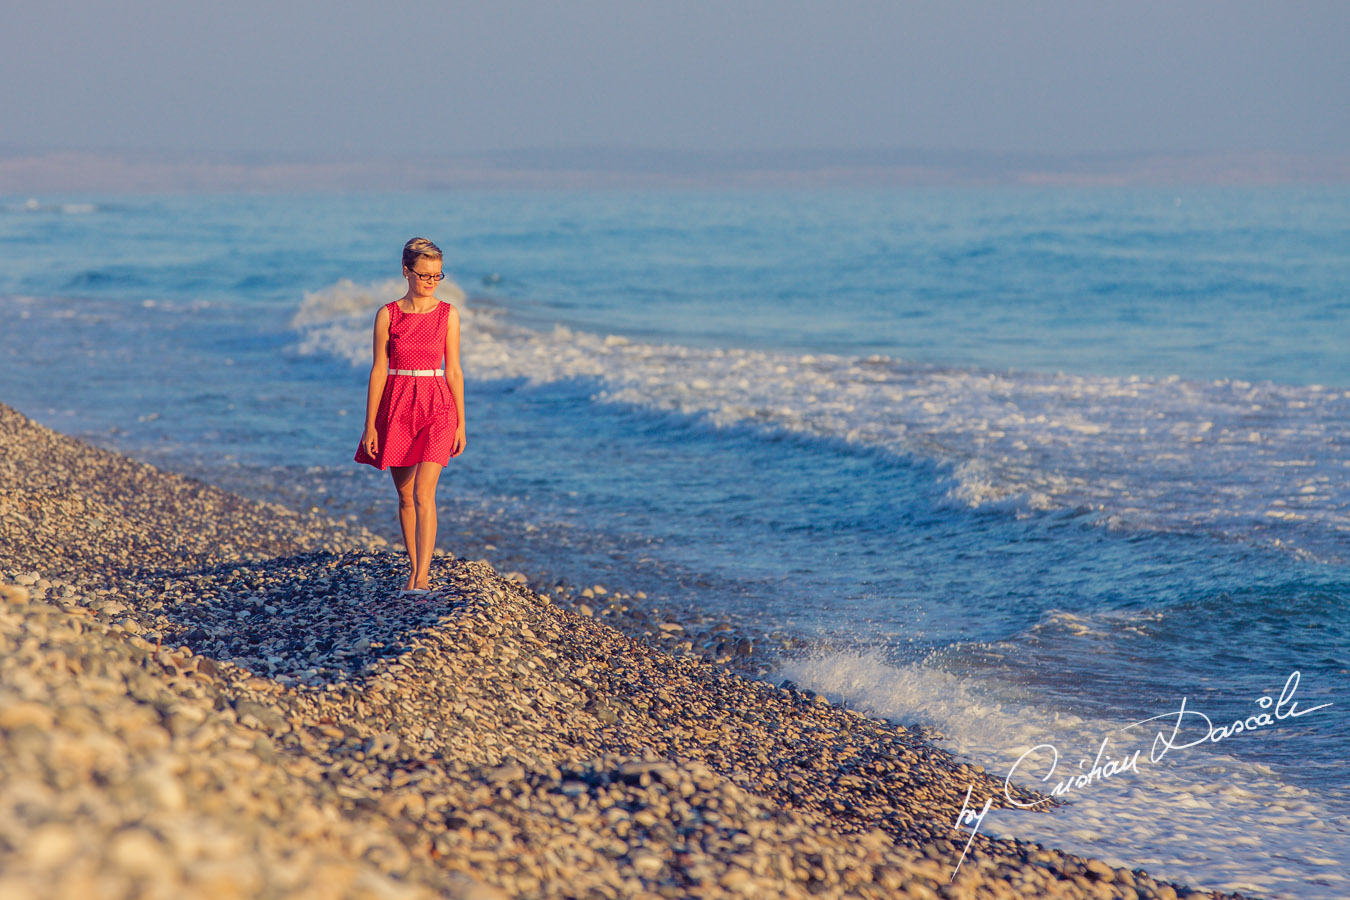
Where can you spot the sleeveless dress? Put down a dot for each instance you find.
(416, 418)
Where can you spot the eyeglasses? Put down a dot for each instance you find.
(429, 277)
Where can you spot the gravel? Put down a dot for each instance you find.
(205, 696)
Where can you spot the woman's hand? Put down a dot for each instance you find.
(458, 446)
(370, 440)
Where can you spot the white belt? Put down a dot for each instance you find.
(416, 371)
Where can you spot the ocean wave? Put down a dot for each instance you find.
(1253, 461)
(33, 205)
(1198, 815)
(337, 320)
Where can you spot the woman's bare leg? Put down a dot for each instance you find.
(404, 479)
(424, 496)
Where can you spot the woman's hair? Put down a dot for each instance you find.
(419, 248)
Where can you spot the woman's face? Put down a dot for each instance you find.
(419, 286)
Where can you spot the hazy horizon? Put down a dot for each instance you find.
(299, 80)
(74, 172)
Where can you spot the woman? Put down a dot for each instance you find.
(415, 401)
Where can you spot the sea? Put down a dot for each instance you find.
(1060, 474)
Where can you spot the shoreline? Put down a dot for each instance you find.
(209, 694)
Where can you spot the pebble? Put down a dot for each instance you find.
(247, 708)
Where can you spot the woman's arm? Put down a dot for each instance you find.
(454, 376)
(379, 374)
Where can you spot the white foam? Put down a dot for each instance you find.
(1258, 462)
(33, 205)
(338, 319)
(1198, 816)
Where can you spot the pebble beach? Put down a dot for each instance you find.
(207, 696)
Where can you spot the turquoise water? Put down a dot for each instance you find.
(1045, 462)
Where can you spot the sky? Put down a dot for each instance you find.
(407, 79)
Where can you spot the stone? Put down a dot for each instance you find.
(51, 845)
(383, 746)
(1100, 870)
(466, 887)
(14, 716)
(647, 864)
(633, 771)
(137, 852)
(258, 715)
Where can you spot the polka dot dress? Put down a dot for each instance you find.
(416, 419)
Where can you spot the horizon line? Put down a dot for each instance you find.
(32, 170)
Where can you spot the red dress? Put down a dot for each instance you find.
(416, 419)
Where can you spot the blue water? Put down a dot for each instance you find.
(1028, 465)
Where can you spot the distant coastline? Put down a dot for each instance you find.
(38, 171)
